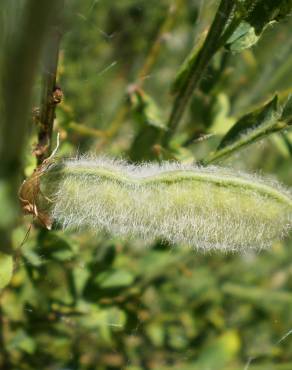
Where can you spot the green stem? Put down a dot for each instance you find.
(213, 42)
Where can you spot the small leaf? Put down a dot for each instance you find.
(6, 269)
(251, 121)
(114, 278)
(22, 341)
(145, 109)
(150, 125)
(250, 128)
(243, 38)
(106, 321)
(258, 17)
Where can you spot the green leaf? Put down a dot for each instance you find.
(149, 121)
(258, 16)
(251, 121)
(114, 278)
(22, 341)
(243, 38)
(105, 322)
(145, 109)
(6, 269)
(250, 128)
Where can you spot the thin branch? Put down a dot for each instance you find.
(209, 48)
(84, 130)
(154, 52)
(52, 94)
(149, 62)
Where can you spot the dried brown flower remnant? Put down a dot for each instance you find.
(29, 193)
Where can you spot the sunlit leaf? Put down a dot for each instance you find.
(243, 38)
(145, 109)
(114, 278)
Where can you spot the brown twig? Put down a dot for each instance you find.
(52, 93)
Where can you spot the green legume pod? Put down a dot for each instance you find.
(208, 208)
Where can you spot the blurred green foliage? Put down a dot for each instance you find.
(83, 301)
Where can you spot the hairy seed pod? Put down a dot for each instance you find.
(207, 207)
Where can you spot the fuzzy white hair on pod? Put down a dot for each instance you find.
(206, 207)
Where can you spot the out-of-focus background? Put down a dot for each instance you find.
(80, 301)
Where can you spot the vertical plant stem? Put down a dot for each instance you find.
(52, 93)
(206, 53)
